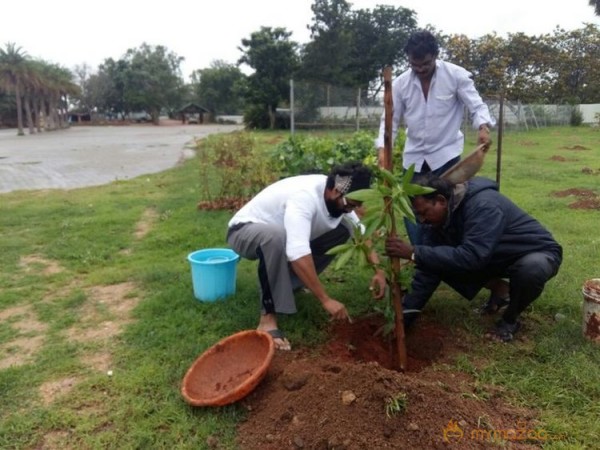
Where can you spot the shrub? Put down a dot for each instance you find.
(302, 154)
(232, 168)
(256, 117)
(576, 118)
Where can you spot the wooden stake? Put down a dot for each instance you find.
(396, 290)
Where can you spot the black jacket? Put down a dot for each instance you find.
(484, 232)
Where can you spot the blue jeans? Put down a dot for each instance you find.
(412, 229)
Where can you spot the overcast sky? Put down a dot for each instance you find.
(74, 32)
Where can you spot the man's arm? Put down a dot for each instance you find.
(378, 282)
(304, 268)
(478, 110)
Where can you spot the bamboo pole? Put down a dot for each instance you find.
(396, 290)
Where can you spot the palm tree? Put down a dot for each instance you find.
(58, 85)
(596, 5)
(13, 74)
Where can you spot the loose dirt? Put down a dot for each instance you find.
(586, 198)
(345, 396)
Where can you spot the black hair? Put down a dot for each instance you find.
(442, 186)
(422, 43)
(359, 173)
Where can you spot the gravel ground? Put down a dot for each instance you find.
(83, 156)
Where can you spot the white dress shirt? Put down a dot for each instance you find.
(433, 124)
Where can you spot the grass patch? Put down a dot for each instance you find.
(96, 279)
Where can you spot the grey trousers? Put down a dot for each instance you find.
(276, 279)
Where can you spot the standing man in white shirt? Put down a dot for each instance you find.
(430, 98)
(289, 226)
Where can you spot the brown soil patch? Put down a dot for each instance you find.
(52, 389)
(98, 332)
(39, 264)
(19, 351)
(575, 147)
(21, 310)
(586, 198)
(100, 362)
(228, 203)
(28, 336)
(105, 313)
(558, 158)
(143, 227)
(342, 397)
(55, 440)
(529, 143)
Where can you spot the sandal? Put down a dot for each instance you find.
(493, 305)
(503, 331)
(281, 342)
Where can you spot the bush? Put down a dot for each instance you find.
(302, 154)
(256, 117)
(232, 168)
(576, 118)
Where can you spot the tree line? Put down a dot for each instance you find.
(347, 47)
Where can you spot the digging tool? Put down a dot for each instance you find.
(467, 167)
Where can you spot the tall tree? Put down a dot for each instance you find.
(110, 85)
(326, 55)
(14, 73)
(377, 39)
(273, 57)
(576, 63)
(153, 79)
(219, 87)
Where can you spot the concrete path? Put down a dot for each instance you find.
(83, 156)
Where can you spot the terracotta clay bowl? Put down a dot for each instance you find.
(229, 370)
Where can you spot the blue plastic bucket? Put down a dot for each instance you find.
(214, 272)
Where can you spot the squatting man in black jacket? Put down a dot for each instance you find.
(474, 237)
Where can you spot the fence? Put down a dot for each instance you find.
(322, 106)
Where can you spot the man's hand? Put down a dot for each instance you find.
(484, 136)
(378, 284)
(336, 310)
(398, 248)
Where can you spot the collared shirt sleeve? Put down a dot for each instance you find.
(468, 95)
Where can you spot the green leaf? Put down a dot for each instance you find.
(416, 189)
(343, 259)
(364, 195)
(340, 248)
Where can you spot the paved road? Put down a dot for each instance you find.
(89, 156)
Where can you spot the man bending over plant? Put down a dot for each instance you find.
(289, 226)
(475, 237)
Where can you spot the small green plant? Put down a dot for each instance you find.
(396, 404)
(378, 220)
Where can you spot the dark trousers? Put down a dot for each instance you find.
(527, 277)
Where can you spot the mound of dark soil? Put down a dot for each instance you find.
(346, 396)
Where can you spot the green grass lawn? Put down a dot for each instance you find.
(95, 281)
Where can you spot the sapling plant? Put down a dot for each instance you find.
(378, 218)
